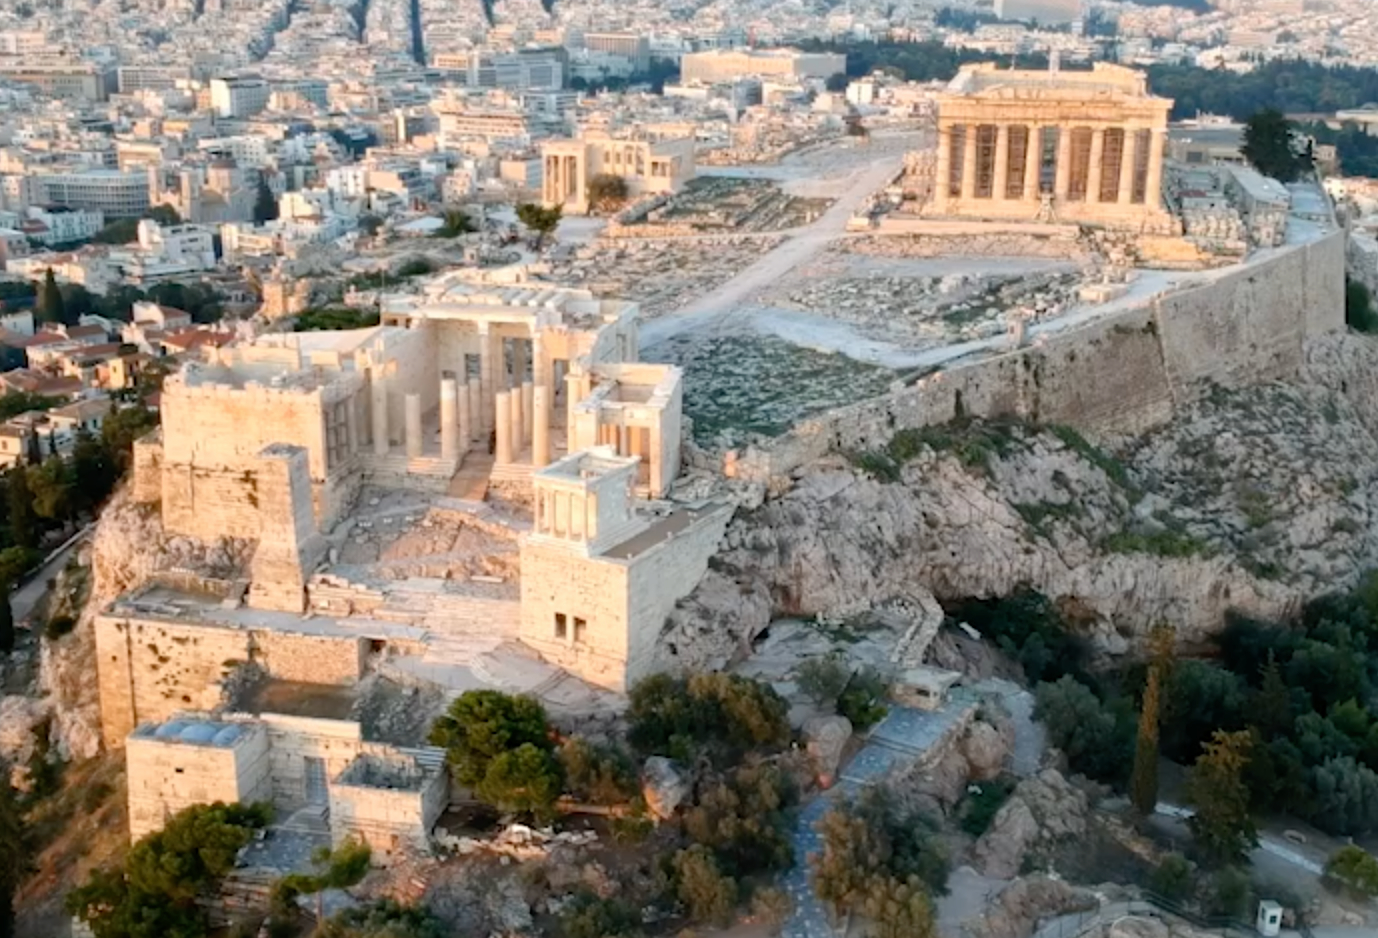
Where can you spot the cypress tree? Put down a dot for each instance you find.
(50, 306)
(6, 622)
(1143, 783)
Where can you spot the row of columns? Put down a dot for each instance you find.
(471, 410)
(1033, 163)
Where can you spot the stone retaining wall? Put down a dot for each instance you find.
(1122, 373)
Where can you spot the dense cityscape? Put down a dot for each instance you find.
(551, 468)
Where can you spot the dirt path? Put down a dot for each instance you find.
(799, 247)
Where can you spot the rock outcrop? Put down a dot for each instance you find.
(664, 787)
(1040, 811)
(1254, 501)
(1018, 907)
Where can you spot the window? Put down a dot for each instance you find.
(561, 628)
(580, 627)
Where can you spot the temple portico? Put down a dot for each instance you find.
(1080, 146)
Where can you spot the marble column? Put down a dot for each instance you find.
(464, 417)
(514, 397)
(1153, 184)
(503, 426)
(352, 423)
(449, 419)
(475, 409)
(540, 428)
(942, 175)
(1093, 171)
(528, 404)
(487, 373)
(1001, 183)
(379, 393)
(413, 415)
(1063, 176)
(1033, 162)
(1128, 158)
(969, 163)
(519, 359)
(573, 395)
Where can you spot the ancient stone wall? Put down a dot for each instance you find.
(389, 819)
(149, 669)
(1122, 373)
(167, 776)
(289, 545)
(556, 581)
(292, 740)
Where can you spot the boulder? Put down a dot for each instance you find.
(19, 721)
(1040, 811)
(1135, 926)
(825, 738)
(663, 786)
(1017, 908)
(987, 750)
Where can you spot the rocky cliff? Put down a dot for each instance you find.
(1253, 500)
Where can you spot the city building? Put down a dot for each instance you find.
(1043, 12)
(728, 64)
(238, 95)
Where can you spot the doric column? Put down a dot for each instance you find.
(942, 175)
(502, 409)
(518, 362)
(413, 416)
(352, 423)
(515, 399)
(462, 419)
(1063, 174)
(379, 393)
(1153, 183)
(540, 429)
(487, 371)
(1128, 158)
(1001, 183)
(1093, 171)
(475, 409)
(528, 404)
(969, 163)
(1033, 162)
(449, 419)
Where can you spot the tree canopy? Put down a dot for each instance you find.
(1270, 146)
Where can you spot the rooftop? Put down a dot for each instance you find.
(193, 732)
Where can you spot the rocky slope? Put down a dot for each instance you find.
(1252, 500)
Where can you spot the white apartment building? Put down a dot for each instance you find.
(50, 226)
(245, 149)
(633, 46)
(238, 95)
(726, 64)
(519, 69)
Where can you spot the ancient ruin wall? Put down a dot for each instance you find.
(149, 669)
(1123, 373)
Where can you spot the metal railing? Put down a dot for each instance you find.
(1077, 924)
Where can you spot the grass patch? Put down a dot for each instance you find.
(972, 442)
(1168, 543)
(981, 803)
(1112, 467)
(1040, 516)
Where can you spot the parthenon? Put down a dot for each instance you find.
(1051, 146)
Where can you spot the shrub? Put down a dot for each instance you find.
(598, 774)
(1097, 740)
(772, 907)
(1171, 878)
(743, 819)
(1229, 892)
(707, 894)
(863, 700)
(982, 802)
(58, 626)
(587, 916)
(1356, 869)
(722, 716)
(824, 679)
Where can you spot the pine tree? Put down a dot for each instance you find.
(1143, 784)
(6, 621)
(50, 306)
(1222, 826)
(23, 520)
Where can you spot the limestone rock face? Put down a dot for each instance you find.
(986, 749)
(826, 737)
(663, 786)
(1018, 907)
(19, 717)
(1135, 926)
(1040, 811)
(1253, 501)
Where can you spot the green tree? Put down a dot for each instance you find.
(23, 520)
(1095, 740)
(93, 471)
(383, 919)
(837, 82)
(1356, 869)
(456, 223)
(1143, 782)
(1221, 825)
(482, 724)
(709, 896)
(121, 428)
(824, 679)
(1200, 698)
(1268, 145)
(899, 908)
(539, 219)
(164, 215)
(265, 203)
(1359, 312)
(49, 307)
(607, 192)
(51, 486)
(523, 780)
(1271, 708)
(863, 699)
(588, 916)
(598, 773)
(743, 819)
(6, 621)
(1171, 878)
(721, 716)
(1345, 797)
(772, 907)
(338, 868)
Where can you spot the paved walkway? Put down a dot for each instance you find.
(901, 738)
